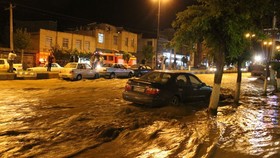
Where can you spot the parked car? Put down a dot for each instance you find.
(166, 87)
(4, 65)
(140, 70)
(257, 70)
(55, 68)
(115, 70)
(212, 68)
(77, 71)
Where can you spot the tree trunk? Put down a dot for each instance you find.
(278, 80)
(238, 82)
(215, 97)
(198, 54)
(22, 54)
(266, 78)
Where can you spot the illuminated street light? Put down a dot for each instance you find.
(248, 35)
(158, 25)
(278, 48)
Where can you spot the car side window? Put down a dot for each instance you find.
(194, 81)
(88, 66)
(165, 78)
(81, 66)
(122, 67)
(181, 80)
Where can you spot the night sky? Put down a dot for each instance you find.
(138, 15)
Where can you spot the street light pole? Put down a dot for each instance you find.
(158, 24)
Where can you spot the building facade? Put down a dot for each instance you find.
(45, 41)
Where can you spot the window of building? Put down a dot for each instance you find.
(79, 44)
(100, 38)
(126, 41)
(115, 40)
(65, 42)
(149, 43)
(87, 45)
(48, 42)
(132, 43)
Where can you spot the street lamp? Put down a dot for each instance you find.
(158, 22)
(158, 28)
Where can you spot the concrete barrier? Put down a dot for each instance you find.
(7, 76)
(27, 75)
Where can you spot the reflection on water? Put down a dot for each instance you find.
(250, 130)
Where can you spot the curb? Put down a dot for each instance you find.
(27, 75)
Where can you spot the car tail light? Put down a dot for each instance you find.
(152, 91)
(128, 87)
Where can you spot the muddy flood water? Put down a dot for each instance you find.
(89, 118)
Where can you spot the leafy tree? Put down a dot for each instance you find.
(147, 52)
(222, 25)
(21, 41)
(127, 56)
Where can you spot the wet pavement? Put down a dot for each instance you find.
(56, 118)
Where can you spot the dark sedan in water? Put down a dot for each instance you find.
(166, 87)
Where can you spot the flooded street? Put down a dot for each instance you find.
(89, 118)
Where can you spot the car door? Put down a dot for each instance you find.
(89, 71)
(198, 93)
(124, 71)
(81, 69)
(184, 88)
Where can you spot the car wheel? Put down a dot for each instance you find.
(79, 77)
(112, 75)
(175, 100)
(130, 75)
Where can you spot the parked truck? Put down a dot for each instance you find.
(4, 65)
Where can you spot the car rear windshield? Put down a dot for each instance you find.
(107, 65)
(156, 77)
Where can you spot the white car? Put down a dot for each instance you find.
(4, 65)
(77, 71)
(115, 70)
(55, 68)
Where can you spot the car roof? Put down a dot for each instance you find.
(173, 71)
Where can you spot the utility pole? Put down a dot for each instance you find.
(11, 26)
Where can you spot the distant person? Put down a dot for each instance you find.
(72, 58)
(143, 61)
(50, 61)
(11, 58)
